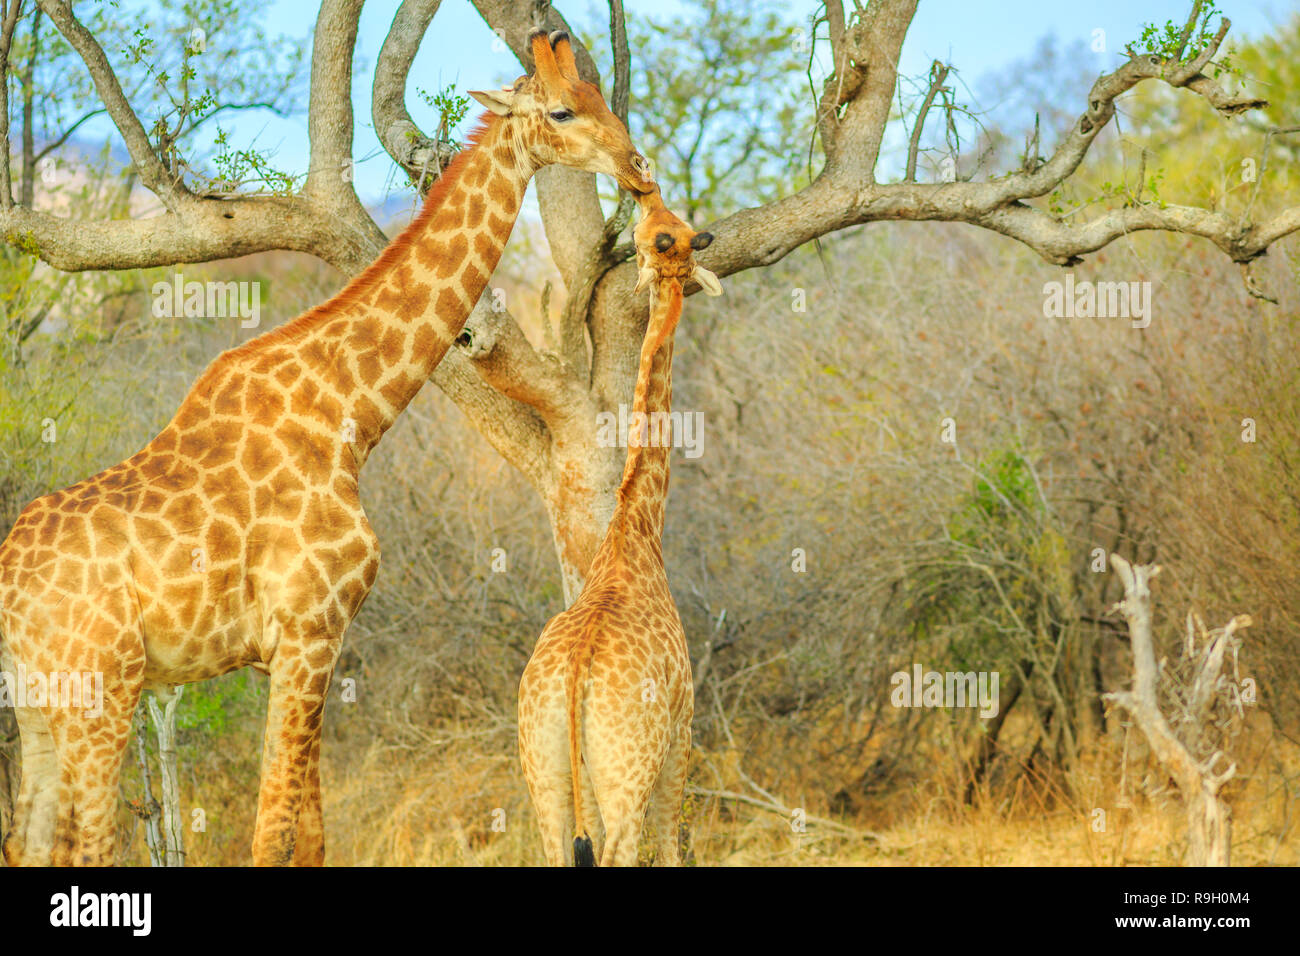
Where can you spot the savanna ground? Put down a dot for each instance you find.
(826, 537)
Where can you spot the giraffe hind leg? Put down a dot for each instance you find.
(592, 820)
(666, 800)
(30, 841)
(623, 799)
(544, 758)
(554, 807)
(588, 849)
(91, 743)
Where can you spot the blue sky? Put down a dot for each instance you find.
(979, 38)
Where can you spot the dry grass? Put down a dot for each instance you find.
(439, 811)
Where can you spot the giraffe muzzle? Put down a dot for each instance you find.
(643, 169)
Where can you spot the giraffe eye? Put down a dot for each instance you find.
(561, 116)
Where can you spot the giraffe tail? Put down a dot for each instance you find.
(583, 853)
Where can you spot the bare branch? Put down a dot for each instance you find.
(421, 157)
(511, 427)
(27, 195)
(771, 805)
(618, 39)
(6, 44)
(843, 197)
(503, 356)
(1101, 108)
(209, 229)
(867, 90)
(938, 73)
(329, 115)
(1198, 782)
(66, 134)
(1065, 244)
(152, 172)
(1263, 167)
(330, 131)
(843, 81)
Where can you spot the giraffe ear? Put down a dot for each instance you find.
(564, 59)
(708, 281)
(643, 280)
(500, 102)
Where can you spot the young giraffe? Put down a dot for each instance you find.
(237, 537)
(605, 703)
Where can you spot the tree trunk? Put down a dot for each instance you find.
(1209, 829)
(1208, 822)
(164, 722)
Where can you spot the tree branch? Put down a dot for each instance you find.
(504, 358)
(421, 157)
(511, 427)
(865, 89)
(66, 135)
(329, 112)
(842, 196)
(330, 130)
(938, 73)
(6, 44)
(152, 172)
(27, 195)
(209, 229)
(618, 40)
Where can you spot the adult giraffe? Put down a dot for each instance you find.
(236, 537)
(605, 702)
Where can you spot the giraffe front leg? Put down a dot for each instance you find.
(309, 848)
(293, 726)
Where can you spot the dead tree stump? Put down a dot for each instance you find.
(1188, 713)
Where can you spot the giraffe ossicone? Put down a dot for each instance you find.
(236, 537)
(606, 700)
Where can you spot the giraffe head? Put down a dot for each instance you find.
(666, 247)
(557, 117)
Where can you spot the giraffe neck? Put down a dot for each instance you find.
(373, 345)
(644, 488)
